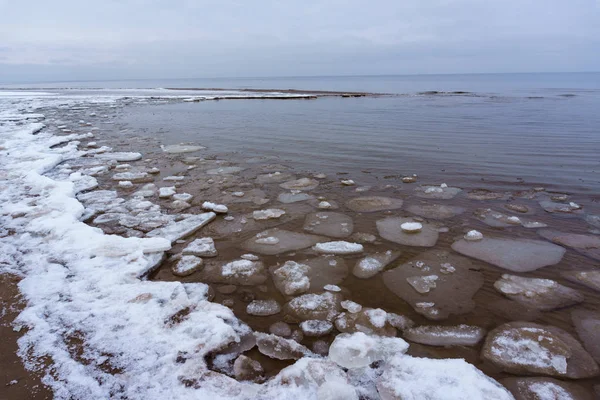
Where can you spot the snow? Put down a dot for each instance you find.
(359, 350)
(411, 227)
(473, 236)
(412, 378)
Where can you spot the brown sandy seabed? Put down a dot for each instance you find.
(491, 308)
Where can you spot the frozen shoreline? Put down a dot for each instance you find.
(83, 284)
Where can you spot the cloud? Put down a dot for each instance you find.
(179, 38)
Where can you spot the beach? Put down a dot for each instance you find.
(177, 243)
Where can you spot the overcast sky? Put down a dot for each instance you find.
(44, 40)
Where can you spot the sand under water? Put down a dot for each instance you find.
(309, 254)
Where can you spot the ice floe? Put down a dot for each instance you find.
(202, 247)
(371, 265)
(528, 348)
(435, 211)
(517, 255)
(390, 228)
(588, 245)
(541, 294)
(328, 223)
(288, 241)
(435, 335)
(374, 204)
(424, 282)
(338, 247)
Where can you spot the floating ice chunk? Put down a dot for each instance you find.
(250, 257)
(154, 171)
(373, 264)
(554, 207)
(280, 329)
(459, 335)
(521, 208)
(347, 182)
(280, 348)
(435, 211)
(178, 230)
(123, 167)
(218, 208)
(181, 148)
(270, 213)
(120, 156)
(294, 197)
(324, 205)
(360, 350)
(325, 306)
(518, 255)
(590, 279)
(263, 308)
(187, 265)
(473, 236)
(203, 247)
(409, 179)
(329, 224)
(587, 325)
(130, 176)
(325, 270)
(182, 197)
(300, 184)
(224, 171)
(406, 377)
(588, 245)
(173, 178)
(453, 291)
(338, 247)
(528, 348)
(437, 192)
(541, 294)
(390, 228)
(315, 327)
(332, 288)
(288, 241)
(374, 204)
(165, 192)
(423, 284)
(545, 389)
(351, 306)
(247, 369)
(125, 184)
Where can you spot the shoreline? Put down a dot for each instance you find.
(171, 164)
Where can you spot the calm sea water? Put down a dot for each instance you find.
(509, 129)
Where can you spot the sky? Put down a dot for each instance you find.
(58, 40)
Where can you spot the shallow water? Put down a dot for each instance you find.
(495, 140)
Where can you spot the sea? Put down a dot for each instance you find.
(499, 131)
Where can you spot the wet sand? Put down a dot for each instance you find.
(491, 308)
